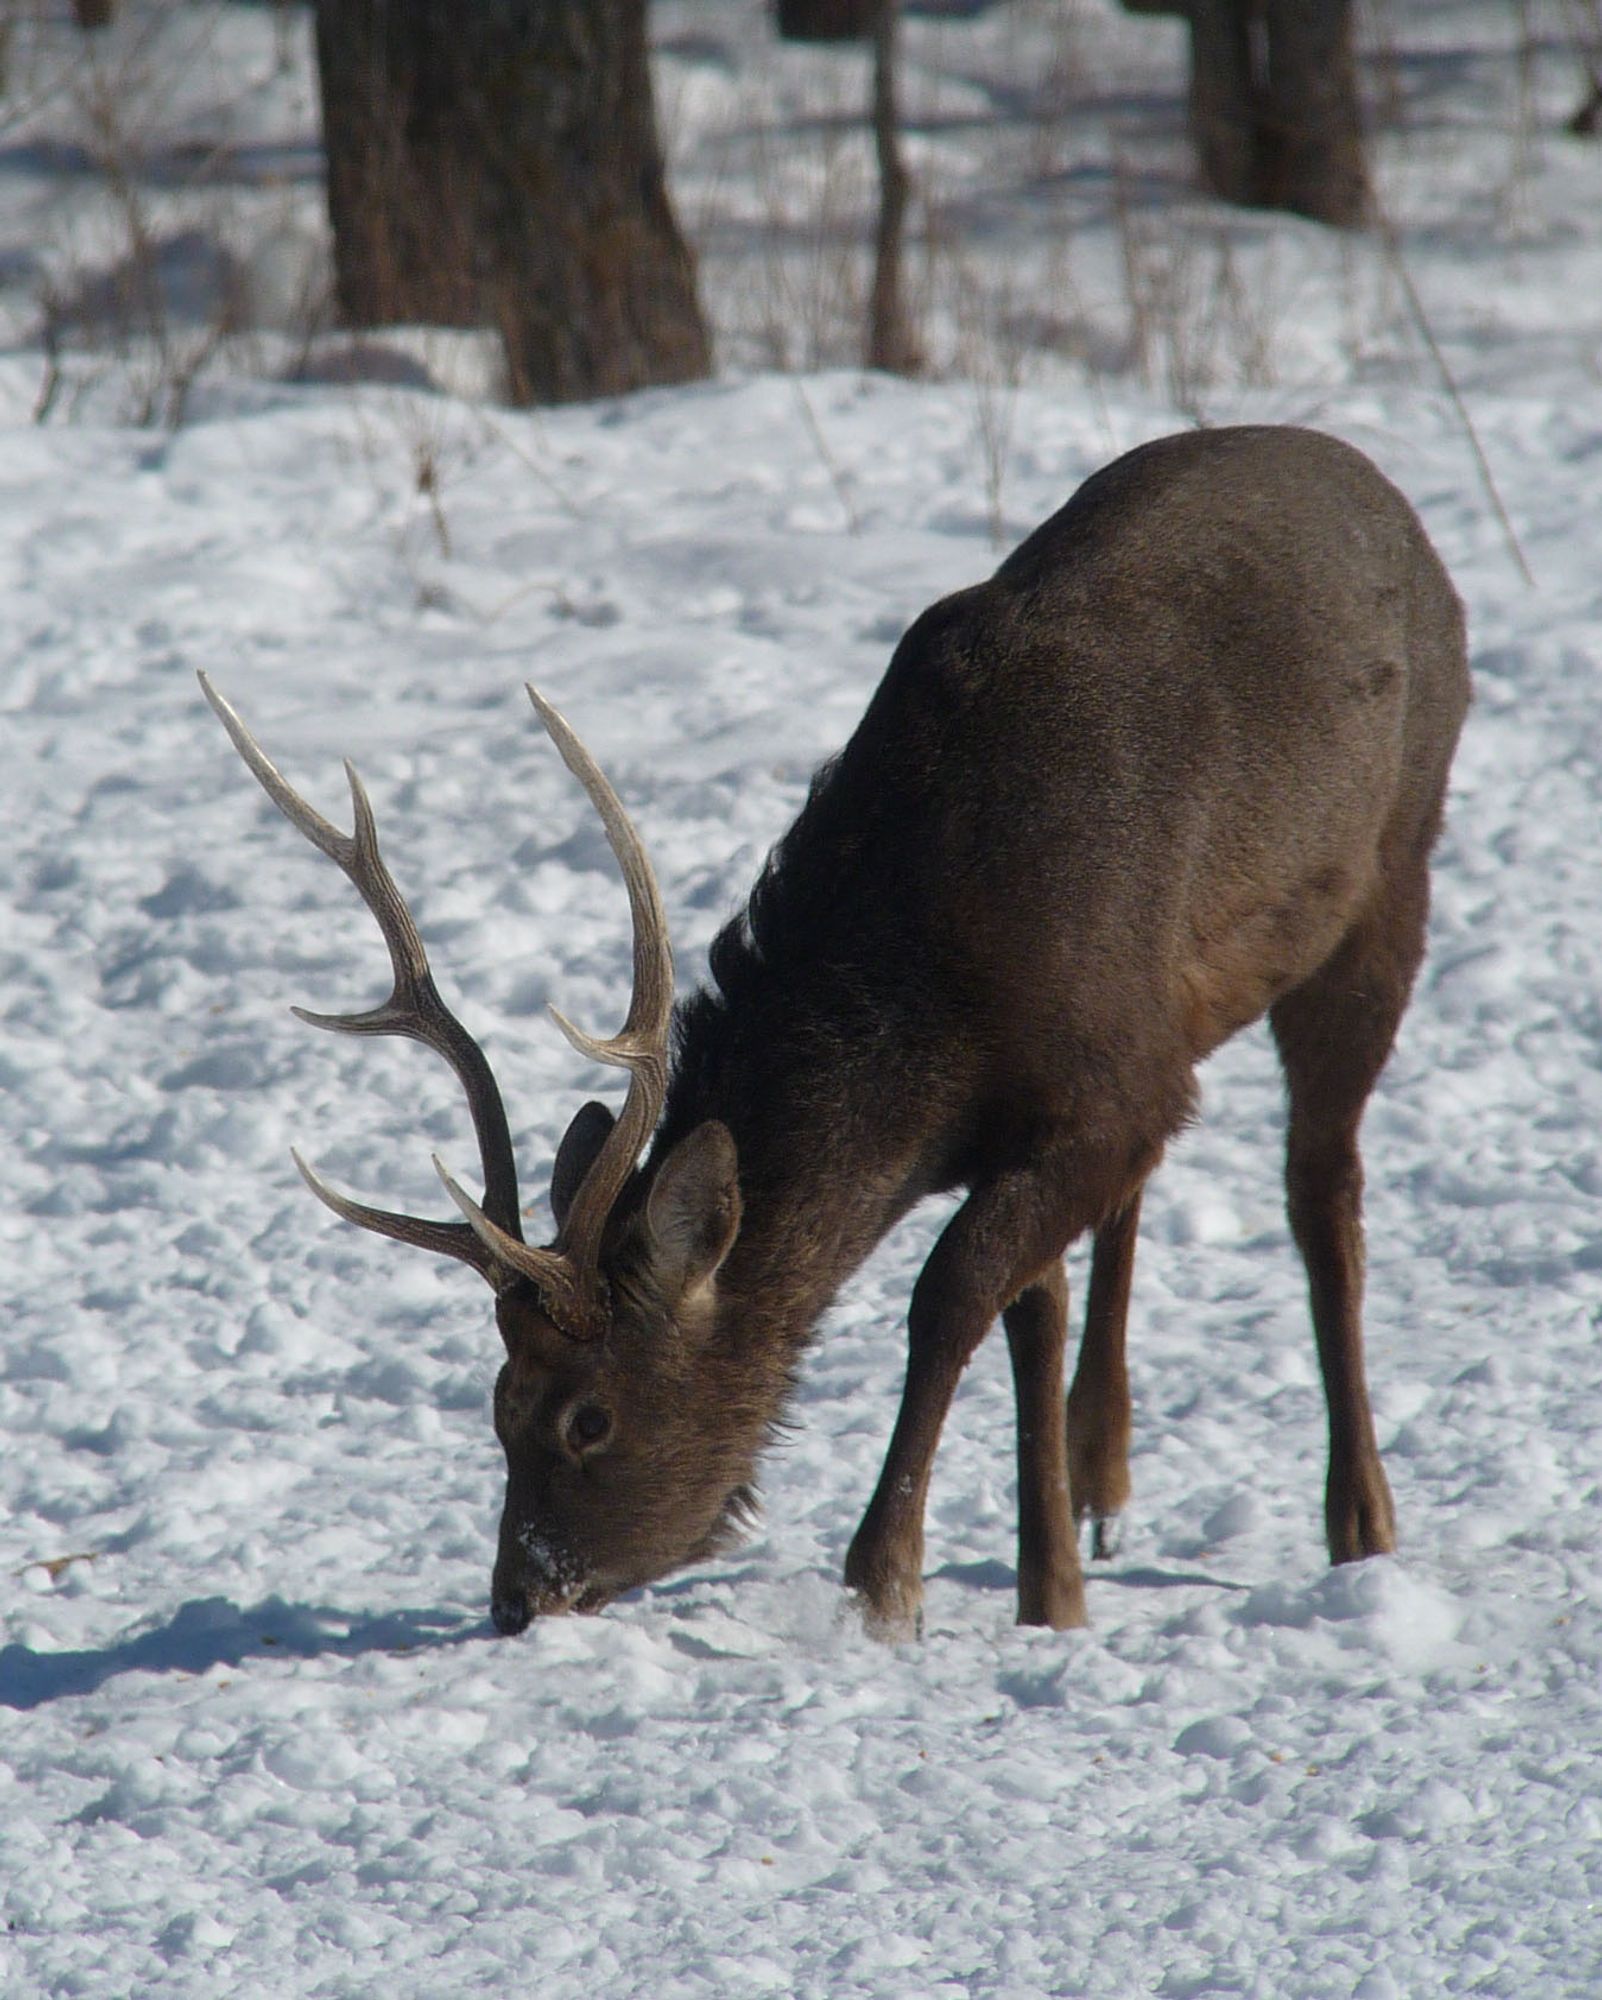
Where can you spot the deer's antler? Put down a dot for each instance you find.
(491, 1237)
(640, 1046)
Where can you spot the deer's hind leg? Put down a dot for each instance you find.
(1335, 1032)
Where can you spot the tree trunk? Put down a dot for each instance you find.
(826, 20)
(891, 342)
(1273, 104)
(497, 165)
(1311, 146)
(1223, 101)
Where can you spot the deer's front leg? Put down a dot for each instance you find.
(1051, 1584)
(1098, 1403)
(1001, 1237)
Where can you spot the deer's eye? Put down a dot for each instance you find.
(588, 1426)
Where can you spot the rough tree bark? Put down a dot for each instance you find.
(1273, 104)
(498, 165)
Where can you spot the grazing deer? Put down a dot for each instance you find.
(1179, 763)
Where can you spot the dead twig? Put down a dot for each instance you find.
(1421, 320)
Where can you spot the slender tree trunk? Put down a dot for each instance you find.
(891, 341)
(497, 164)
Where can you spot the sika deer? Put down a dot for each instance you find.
(1179, 763)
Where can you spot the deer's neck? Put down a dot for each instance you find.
(829, 1158)
(810, 1220)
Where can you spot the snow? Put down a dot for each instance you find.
(255, 1730)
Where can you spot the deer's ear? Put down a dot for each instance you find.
(582, 1140)
(692, 1213)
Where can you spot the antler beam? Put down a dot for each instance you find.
(641, 1045)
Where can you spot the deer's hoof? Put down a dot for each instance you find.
(1106, 1536)
(1360, 1520)
(892, 1622)
(1060, 1606)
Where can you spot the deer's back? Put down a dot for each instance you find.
(1106, 806)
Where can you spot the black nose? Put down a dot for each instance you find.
(509, 1615)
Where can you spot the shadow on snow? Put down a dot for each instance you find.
(213, 1632)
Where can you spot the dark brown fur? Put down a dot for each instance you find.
(1179, 763)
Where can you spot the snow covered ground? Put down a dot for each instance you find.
(255, 1732)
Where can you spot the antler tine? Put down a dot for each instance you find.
(413, 1009)
(640, 1046)
(450, 1239)
(550, 1270)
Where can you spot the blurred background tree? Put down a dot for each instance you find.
(1274, 112)
(497, 164)
(825, 20)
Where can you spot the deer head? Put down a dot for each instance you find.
(613, 1358)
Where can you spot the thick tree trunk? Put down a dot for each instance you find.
(497, 164)
(825, 20)
(1311, 147)
(1223, 99)
(1273, 104)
